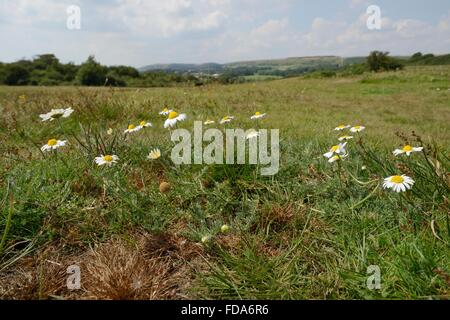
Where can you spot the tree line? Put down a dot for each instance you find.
(47, 70)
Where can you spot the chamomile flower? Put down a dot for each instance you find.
(342, 127)
(56, 114)
(226, 119)
(407, 149)
(357, 128)
(337, 158)
(173, 118)
(108, 160)
(208, 122)
(345, 138)
(165, 112)
(154, 154)
(145, 124)
(132, 128)
(53, 144)
(339, 150)
(252, 134)
(258, 115)
(398, 183)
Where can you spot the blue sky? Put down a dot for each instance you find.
(140, 32)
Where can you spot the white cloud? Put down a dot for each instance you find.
(166, 18)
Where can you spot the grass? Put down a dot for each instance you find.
(309, 232)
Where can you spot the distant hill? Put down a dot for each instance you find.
(270, 66)
(184, 67)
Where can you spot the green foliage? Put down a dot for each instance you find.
(92, 73)
(429, 59)
(380, 61)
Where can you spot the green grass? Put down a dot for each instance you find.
(309, 232)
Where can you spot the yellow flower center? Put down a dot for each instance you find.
(407, 148)
(131, 127)
(143, 123)
(108, 158)
(334, 148)
(165, 110)
(52, 142)
(341, 126)
(173, 115)
(358, 127)
(335, 158)
(397, 179)
(257, 113)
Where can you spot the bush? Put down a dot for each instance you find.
(92, 73)
(16, 75)
(380, 61)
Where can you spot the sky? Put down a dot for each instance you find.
(142, 32)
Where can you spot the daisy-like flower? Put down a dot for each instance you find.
(339, 150)
(132, 128)
(342, 127)
(345, 138)
(337, 158)
(154, 154)
(174, 117)
(53, 144)
(208, 122)
(108, 160)
(226, 119)
(56, 114)
(165, 112)
(258, 115)
(407, 149)
(357, 128)
(398, 183)
(145, 124)
(252, 134)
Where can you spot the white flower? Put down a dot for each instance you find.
(258, 115)
(174, 117)
(407, 149)
(398, 183)
(53, 144)
(145, 124)
(206, 239)
(208, 122)
(226, 119)
(336, 158)
(252, 134)
(339, 149)
(108, 160)
(165, 112)
(132, 128)
(345, 138)
(357, 128)
(154, 154)
(342, 127)
(56, 114)
(110, 131)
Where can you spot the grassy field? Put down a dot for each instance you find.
(309, 232)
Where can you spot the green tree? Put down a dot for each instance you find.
(92, 73)
(380, 61)
(16, 75)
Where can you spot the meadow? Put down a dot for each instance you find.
(149, 229)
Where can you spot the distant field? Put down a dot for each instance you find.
(310, 231)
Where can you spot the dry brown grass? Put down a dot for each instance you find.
(144, 267)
